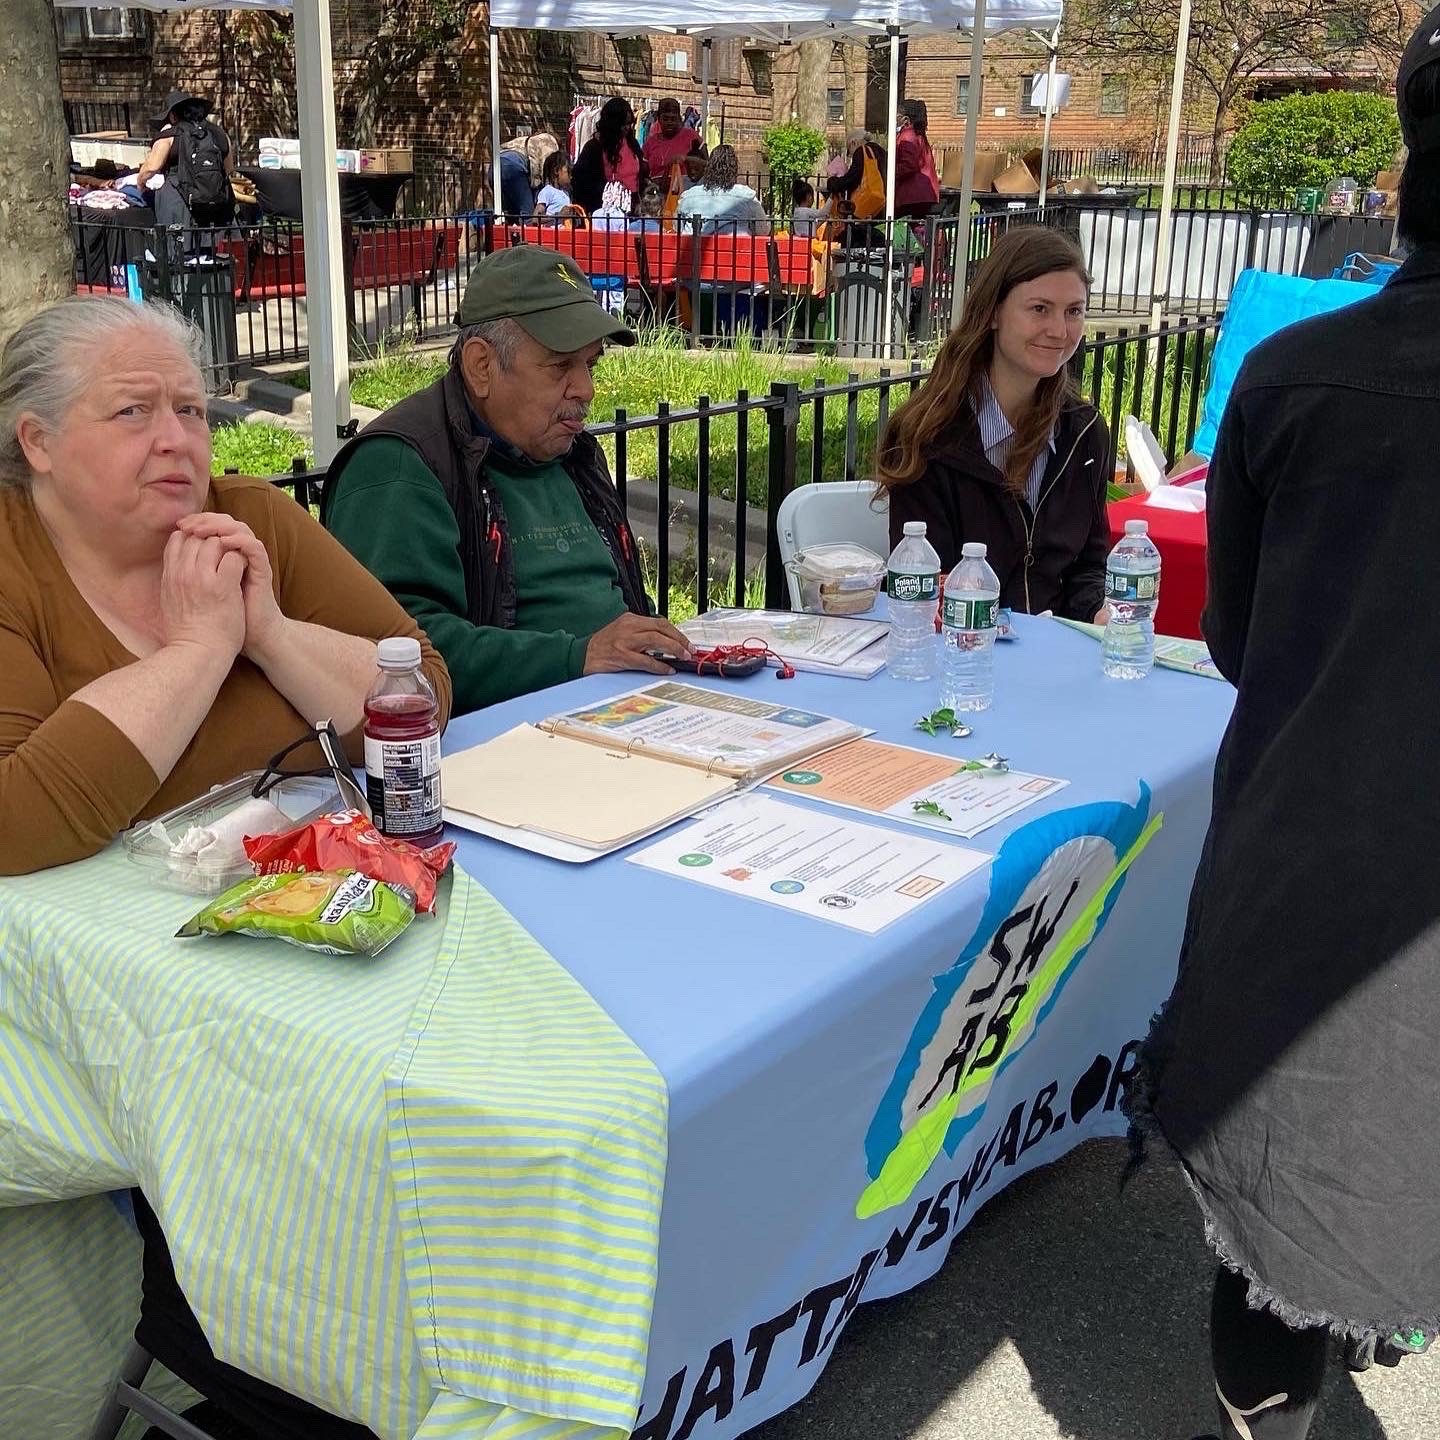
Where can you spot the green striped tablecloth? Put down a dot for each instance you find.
(422, 1191)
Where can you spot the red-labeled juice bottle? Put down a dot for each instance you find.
(402, 746)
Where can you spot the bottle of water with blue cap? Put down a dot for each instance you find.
(1132, 591)
(912, 589)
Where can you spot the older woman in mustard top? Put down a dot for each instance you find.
(160, 631)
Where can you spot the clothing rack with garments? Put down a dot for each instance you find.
(585, 111)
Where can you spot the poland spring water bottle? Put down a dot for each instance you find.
(1132, 590)
(913, 588)
(967, 633)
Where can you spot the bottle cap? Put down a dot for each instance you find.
(973, 550)
(914, 527)
(1137, 527)
(400, 653)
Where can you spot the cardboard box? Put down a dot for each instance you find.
(1389, 182)
(987, 164)
(387, 162)
(1017, 180)
(1085, 185)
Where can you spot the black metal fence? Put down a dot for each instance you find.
(866, 291)
(87, 117)
(703, 483)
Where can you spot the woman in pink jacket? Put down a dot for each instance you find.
(917, 183)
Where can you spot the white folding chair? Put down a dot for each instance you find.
(827, 511)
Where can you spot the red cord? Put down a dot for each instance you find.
(722, 655)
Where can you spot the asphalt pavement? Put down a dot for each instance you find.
(1070, 1309)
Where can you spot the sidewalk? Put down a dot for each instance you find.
(1070, 1310)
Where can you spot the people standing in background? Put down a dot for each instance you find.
(554, 195)
(724, 205)
(863, 184)
(805, 218)
(516, 196)
(612, 155)
(195, 158)
(669, 140)
(917, 182)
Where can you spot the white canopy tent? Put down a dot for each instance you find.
(785, 22)
(320, 203)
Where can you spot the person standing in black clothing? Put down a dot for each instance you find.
(997, 446)
(612, 153)
(1291, 1068)
(196, 159)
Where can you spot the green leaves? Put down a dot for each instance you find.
(792, 150)
(1314, 140)
(943, 721)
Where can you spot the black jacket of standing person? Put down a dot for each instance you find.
(1293, 1066)
(997, 446)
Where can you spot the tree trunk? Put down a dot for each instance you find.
(37, 258)
(812, 79)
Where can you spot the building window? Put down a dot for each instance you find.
(79, 27)
(1027, 104)
(1114, 95)
(835, 105)
(962, 94)
(725, 61)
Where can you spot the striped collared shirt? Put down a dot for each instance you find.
(996, 433)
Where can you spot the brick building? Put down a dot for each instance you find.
(436, 97)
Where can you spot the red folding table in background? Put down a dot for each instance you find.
(1179, 535)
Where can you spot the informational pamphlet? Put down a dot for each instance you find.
(1172, 652)
(941, 792)
(860, 876)
(822, 644)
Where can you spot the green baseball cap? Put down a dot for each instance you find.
(547, 294)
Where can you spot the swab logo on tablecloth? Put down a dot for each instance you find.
(1052, 888)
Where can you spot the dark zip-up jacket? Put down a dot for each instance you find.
(421, 556)
(1051, 558)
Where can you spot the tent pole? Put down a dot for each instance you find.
(1161, 290)
(967, 182)
(1054, 43)
(320, 210)
(704, 88)
(886, 301)
(497, 203)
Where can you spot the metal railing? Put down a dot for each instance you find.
(86, 117)
(703, 483)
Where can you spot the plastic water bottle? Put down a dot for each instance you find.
(402, 746)
(913, 587)
(967, 636)
(1132, 589)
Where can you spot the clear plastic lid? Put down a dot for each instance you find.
(197, 847)
(974, 550)
(914, 527)
(841, 563)
(1137, 527)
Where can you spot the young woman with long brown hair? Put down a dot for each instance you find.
(998, 446)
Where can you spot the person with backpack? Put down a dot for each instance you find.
(195, 159)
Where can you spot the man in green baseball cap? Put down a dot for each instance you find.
(486, 508)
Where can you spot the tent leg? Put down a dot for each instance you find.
(886, 301)
(704, 87)
(320, 207)
(1163, 246)
(496, 204)
(967, 183)
(1049, 116)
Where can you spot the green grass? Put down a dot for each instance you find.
(256, 447)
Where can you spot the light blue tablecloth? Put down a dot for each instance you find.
(797, 1054)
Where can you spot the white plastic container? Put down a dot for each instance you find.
(838, 579)
(154, 844)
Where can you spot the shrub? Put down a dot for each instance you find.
(1314, 140)
(792, 151)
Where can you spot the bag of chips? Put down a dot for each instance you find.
(346, 840)
(339, 914)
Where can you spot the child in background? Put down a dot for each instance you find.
(805, 217)
(652, 202)
(554, 196)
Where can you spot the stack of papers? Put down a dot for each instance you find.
(822, 644)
